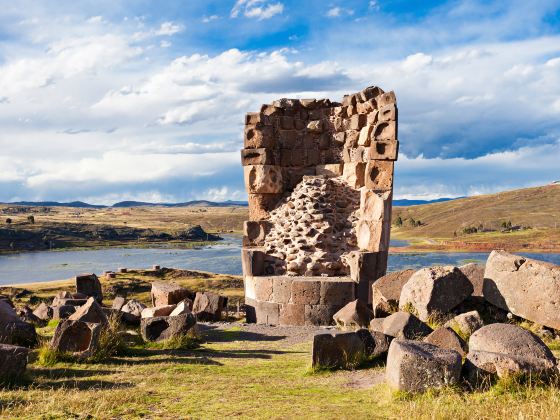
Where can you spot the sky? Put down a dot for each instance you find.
(110, 100)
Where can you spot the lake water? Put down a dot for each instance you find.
(27, 267)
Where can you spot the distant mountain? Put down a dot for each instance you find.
(78, 204)
(195, 203)
(81, 204)
(406, 203)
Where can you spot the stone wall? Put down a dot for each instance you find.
(319, 175)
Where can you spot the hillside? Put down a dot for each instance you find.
(476, 222)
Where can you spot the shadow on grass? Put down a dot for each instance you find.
(245, 354)
(83, 385)
(216, 335)
(69, 373)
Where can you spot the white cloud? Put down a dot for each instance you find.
(339, 11)
(258, 9)
(208, 19)
(168, 29)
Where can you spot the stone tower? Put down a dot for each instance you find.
(319, 175)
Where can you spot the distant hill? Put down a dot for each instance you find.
(405, 202)
(81, 204)
(78, 204)
(537, 207)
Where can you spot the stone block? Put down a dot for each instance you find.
(166, 327)
(383, 150)
(260, 156)
(209, 306)
(306, 292)
(89, 285)
(268, 313)
(365, 268)
(320, 314)
(414, 366)
(252, 261)
(353, 315)
(386, 99)
(292, 314)
(330, 170)
(13, 362)
(263, 288)
(386, 130)
(63, 311)
(446, 338)
(372, 118)
(353, 173)
(357, 121)
(288, 139)
(351, 138)
(255, 232)
(365, 135)
(261, 204)
(378, 175)
(263, 179)
(90, 312)
(163, 293)
(338, 350)
(315, 126)
(386, 291)
(286, 123)
(339, 138)
(257, 137)
(312, 157)
(77, 337)
(373, 235)
(249, 286)
(252, 118)
(371, 92)
(163, 310)
(293, 176)
(281, 289)
(337, 291)
(388, 113)
(375, 206)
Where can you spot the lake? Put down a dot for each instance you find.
(224, 258)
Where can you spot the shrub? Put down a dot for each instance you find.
(188, 341)
(111, 341)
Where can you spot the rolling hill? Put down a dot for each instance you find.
(534, 214)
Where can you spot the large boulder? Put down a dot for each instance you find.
(168, 293)
(89, 285)
(209, 306)
(164, 310)
(415, 366)
(132, 312)
(43, 311)
(79, 338)
(13, 330)
(13, 362)
(354, 315)
(525, 287)
(401, 325)
(118, 303)
(338, 349)
(446, 338)
(166, 327)
(475, 273)
(467, 323)
(90, 312)
(506, 349)
(386, 291)
(435, 290)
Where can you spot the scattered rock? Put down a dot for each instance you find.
(7, 312)
(468, 322)
(18, 333)
(475, 273)
(354, 314)
(90, 312)
(446, 338)
(168, 294)
(375, 342)
(13, 362)
(166, 327)
(208, 306)
(158, 311)
(435, 290)
(89, 285)
(387, 291)
(414, 366)
(132, 312)
(403, 325)
(43, 311)
(77, 337)
(118, 303)
(183, 307)
(525, 287)
(505, 349)
(338, 350)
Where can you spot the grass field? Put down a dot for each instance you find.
(241, 371)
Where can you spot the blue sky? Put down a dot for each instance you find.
(105, 101)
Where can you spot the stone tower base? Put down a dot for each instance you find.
(283, 300)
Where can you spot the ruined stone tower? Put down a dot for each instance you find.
(319, 175)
